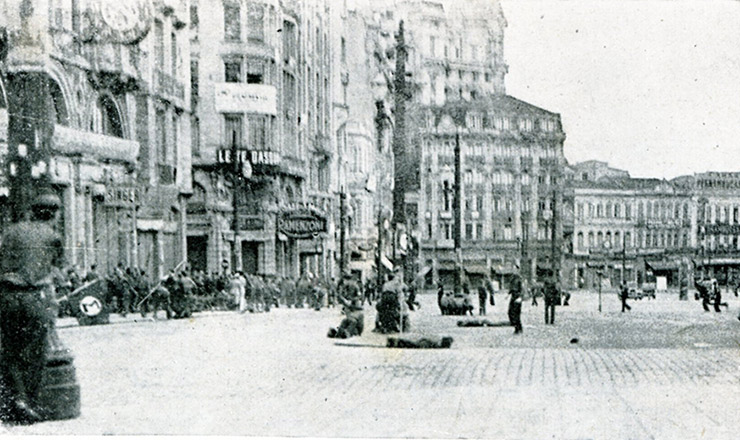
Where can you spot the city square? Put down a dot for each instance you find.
(666, 369)
(199, 197)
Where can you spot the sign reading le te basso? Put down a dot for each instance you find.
(301, 223)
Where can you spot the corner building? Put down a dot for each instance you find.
(260, 86)
(98, 107)
(511, 161)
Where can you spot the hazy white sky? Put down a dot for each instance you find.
(651, 86)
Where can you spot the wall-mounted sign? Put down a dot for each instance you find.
(303, 223)
(245, 98)
(722, 229)
(122, 196)
(117, 21)
(251, 223)
(254, 157)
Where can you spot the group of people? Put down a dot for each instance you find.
(450, 304)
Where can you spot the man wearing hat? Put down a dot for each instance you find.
(30, 256)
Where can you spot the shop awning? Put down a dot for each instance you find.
(505, 269)
(662, 266)
(718, 262)
(475, 268)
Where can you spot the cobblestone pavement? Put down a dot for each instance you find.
(665, 370)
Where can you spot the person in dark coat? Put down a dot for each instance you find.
(31, 254)
(552, 299)
(515, 305)
(440, 295)
(624, 293)
(482, 297)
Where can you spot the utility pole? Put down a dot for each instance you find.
(624, 256)
(400, 171)
(554, 254)
(457, 214)
(342, 231)
(234, 198)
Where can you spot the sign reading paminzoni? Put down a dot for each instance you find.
(301, 223)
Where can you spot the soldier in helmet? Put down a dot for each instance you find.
(30, 256)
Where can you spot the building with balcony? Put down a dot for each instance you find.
(260, 95)
(511, 157)
(97, 109)
(716, 196)
(629, 229)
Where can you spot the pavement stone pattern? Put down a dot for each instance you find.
(665, 370)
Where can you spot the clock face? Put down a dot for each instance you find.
(121, 16)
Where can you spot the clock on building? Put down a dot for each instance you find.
(118, 21)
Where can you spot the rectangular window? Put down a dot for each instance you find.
(343, 50)
(173, 54)
(232, 20)
(468, 231)
(255, 71)
(194, 84)
(195, 135)
(479, 231)
(289, 119)
(256, 22)
(194, 15)
(233, 130)
(175, 134)
(161, 137)
(289, 43)
(479, 203)
(159, 43)
(233, 70)
(258, 132)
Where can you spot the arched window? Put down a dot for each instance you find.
(580, 240)
(617, 240)
(107, 118)
(599, 238)
(609, 239)
(590, 239)
(58, 104)
(627, 239)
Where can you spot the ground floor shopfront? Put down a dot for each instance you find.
(499, 263)
(273, 238)
(646, 269)
(108, 220)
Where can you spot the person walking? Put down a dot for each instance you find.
(624, 295)
(552, 299)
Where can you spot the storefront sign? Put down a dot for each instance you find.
(251, 223)
(722, 229)
(301, 223)
(245, 98)
(254, 157)
(122, 196)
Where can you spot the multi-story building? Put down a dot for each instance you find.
(627, 229)
(716, 196)
(97, 109)
(511, 161)
(261, 75)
